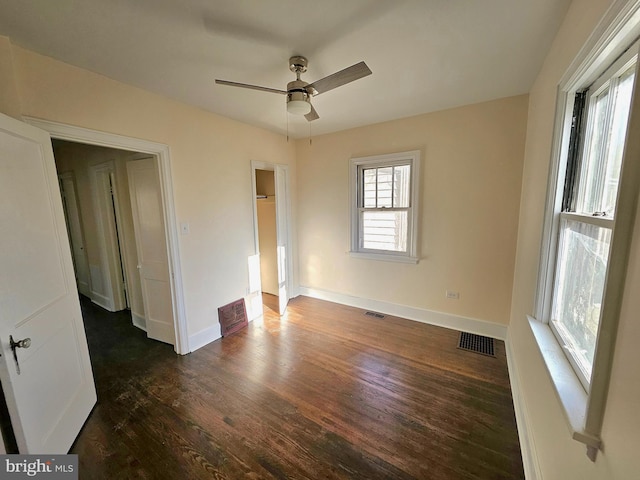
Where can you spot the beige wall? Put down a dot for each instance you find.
(559, 456)
(9, 98)
(470, 191)
(210, 161)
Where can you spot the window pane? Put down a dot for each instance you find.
(369, 187)
(588, 195)
(401, 190)
(621, 110)
(385, 187)
(384, 230)
(580, 276)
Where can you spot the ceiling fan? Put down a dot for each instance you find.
(299, 92)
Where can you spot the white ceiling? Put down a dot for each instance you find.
(426, 55)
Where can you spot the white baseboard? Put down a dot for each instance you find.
(253, 304)
(104, 302)
(139, 321)
(447, 320)
(204, 337)
(527, 444)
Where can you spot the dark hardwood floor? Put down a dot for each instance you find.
(323, 393)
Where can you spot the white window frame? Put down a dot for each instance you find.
(609, 79)
(357, 165)
(584, 408)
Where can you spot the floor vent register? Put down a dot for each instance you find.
(476, 343)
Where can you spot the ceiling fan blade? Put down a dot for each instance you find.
(312, 115)
(253, 87)
(349, 74)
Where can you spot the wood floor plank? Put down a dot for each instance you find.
(322, 392)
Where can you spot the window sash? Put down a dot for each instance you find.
(405, 200)
(384, 238)
(602, 156)
(581, 272)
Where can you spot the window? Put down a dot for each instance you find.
(384, 206)
(586, 222)
(591, 206)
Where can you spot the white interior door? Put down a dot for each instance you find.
(52, 395)
(149, 230)
(74, 227)
(282, 249)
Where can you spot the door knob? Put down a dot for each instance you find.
(24, 343)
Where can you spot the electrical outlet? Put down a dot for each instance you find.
(453, 295)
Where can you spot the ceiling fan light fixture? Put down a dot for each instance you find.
(298, 107)
(298, 103)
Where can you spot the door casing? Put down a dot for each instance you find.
(92, 137)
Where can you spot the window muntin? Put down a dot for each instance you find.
(585, 231)
(384, 213)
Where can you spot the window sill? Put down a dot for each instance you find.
(385, 257)
(568, 388)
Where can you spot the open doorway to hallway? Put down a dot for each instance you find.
(114, 213)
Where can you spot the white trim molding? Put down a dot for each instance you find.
(111, 140)
(139, 321)
(440, 319)
(102, 301)
(530, 462)
(204, 337)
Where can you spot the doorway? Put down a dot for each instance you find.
(98, 204)
(267, 235)
(272, 232)
(128, 263)
(163, 162)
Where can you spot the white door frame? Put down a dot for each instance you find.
(111, 140)
(285, 204)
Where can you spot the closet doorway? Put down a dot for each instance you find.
(272, 236)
